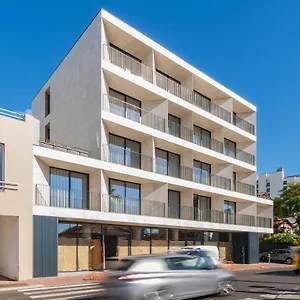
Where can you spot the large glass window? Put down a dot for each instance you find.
(194, 238)
(69, 189)
(174, 125)
(125, 197)
(202, 137)
(201, 172)
(229, 212)
(124, 151)
(174, 204)
(125, 106)
(1, 163)
(229, 148)
(202, 206)
(167, 163)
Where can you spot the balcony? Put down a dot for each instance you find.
(67, 198)
(127, 63)
(136, 114)
(76, 199)
(136, 68)
(191, 174)
(126, 157)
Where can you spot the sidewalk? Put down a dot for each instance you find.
(83, 277)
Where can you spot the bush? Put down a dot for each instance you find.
(282, 238)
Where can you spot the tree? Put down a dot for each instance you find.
(288, 203)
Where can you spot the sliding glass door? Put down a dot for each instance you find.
(124, 197)
(69, 189)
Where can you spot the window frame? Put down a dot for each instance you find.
(124, 147)
(169, 152)
(69, 183)
(48, 132)
(125, 198)
(178, 123)
(47, 102)
(202, 134)
(230, 142)
(202, 163)
(179, 205)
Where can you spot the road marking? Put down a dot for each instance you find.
(63, 293)
(40, 288)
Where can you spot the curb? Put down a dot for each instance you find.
(20, 287)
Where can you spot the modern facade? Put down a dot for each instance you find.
(273, 183)
(139, 152)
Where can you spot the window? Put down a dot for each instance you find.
(174, 125)
(234, 117)
(1, 164)
(69, 189)
(183, 263)
(268, 190)
(202, 101)
(229, 148)
(229, 212)
(202, 208)
(124, 151)
(167, 163)
(124, 197)
(285, 182)
(47, 102)
(234, 180)
(47, 132)
(268, 184)
(174, 204)
(201, 172)
(125, 106)
(202, 137)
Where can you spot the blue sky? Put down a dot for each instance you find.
(250, 46)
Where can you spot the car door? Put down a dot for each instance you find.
(274, 255)
(186, 280)
(282, 255)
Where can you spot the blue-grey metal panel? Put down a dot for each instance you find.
(44, 246)
(253, 254)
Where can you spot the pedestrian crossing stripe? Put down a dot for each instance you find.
(63, 292)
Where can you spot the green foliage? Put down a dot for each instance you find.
(282, 238)
(288, 202)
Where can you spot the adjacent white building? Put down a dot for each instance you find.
(273, 183)
(139, 152)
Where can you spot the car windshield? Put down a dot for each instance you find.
(114, 264)
(192, 252)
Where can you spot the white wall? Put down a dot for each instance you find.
(9, 247)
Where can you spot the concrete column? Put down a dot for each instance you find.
(148, 150)
(104, 191)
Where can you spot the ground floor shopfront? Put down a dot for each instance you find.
(68, 246)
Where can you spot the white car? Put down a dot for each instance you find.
(211, 251)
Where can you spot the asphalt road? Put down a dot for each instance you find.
(250, 285)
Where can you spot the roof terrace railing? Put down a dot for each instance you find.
(12, 114)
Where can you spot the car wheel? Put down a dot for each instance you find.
(226, 288)
(289, 261)
(161, 294)
(264, 259)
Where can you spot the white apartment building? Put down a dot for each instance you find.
(273, 183)
(140, 152)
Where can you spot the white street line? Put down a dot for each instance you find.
(58, 287)
(80, 288)
(66, 294)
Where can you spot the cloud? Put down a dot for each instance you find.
(28, 111)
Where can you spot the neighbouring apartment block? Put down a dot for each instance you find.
(274, 182)
(138, 153)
